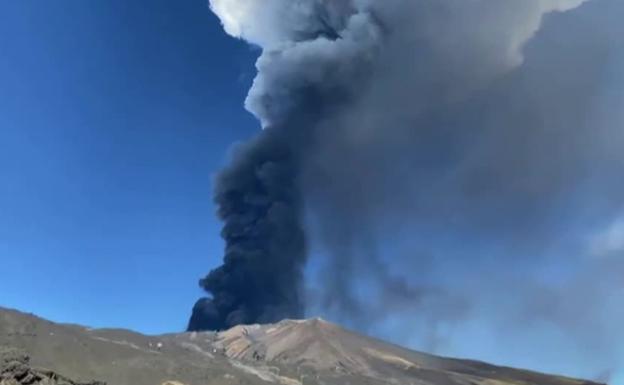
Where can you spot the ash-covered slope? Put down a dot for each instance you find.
(15, 369)
(317, 346)
(309, 352)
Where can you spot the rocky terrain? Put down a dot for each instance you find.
(15, 370)
(305, 352)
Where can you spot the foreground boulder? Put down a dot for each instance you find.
(15, 370)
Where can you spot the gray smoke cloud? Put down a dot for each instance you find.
(453, 167)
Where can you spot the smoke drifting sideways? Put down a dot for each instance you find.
(454, 165)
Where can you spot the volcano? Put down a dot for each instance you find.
(290, 352)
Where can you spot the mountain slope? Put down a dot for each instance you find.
(310, 352)
(15, 369)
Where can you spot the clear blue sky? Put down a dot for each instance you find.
(114, 115)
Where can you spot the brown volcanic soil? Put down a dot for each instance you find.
(15, 369)
(309, 352)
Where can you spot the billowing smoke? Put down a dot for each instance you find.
(259, 195)
(260, 204)
(453, 169)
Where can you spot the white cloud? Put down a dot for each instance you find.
(609, 241)
(265, 22)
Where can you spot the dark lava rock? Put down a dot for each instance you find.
(15, 369)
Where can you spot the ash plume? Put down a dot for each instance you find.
(447, 162)
(258, 195)
(258, 201)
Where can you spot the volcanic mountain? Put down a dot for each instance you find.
(291, 352)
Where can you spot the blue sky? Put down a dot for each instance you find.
(114, 116)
